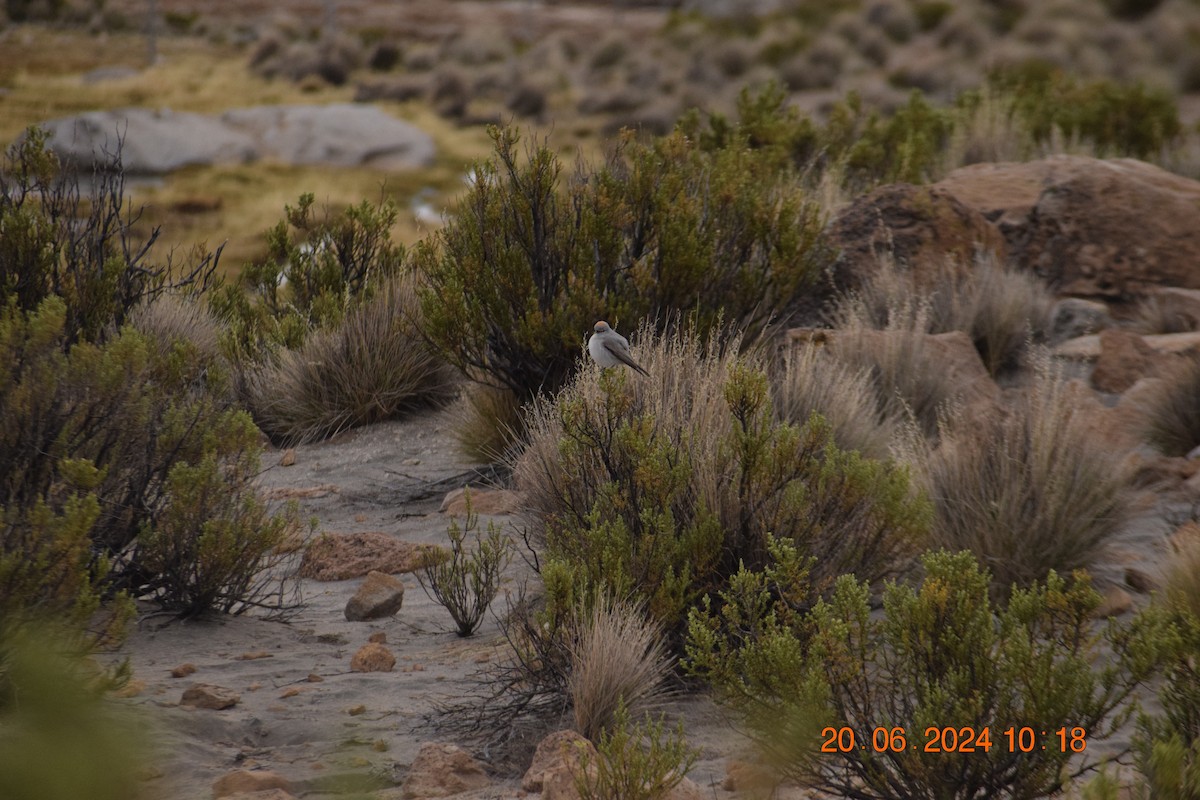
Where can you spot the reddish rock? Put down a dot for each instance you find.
(1140, 580)
(341, 556)
(748, 778)
(205, 695)
(266, 794)
(559, 750)
(183, 670)
(1091, 227)
(372, 657)
(1116, 602)
(244, 780)
(1124, 359)
(380, 595)
(489, 502)
(442, 770)
(923, 228)
(379, 637)
(288, 458)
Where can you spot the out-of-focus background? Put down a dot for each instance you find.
(576, 72)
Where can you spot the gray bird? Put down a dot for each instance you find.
(609, 348)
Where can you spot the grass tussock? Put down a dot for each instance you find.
(619, 659)
(171, 318)
(1028, 491)
(488, 423)
(1164, 313)
(371, 368)
(813, 381)
(1004, 311)
(1170, 414)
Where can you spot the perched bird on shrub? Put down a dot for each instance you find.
(609, 348)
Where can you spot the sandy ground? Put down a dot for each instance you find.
(348, 725)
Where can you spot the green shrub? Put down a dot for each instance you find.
(530, 261)
(1167, 745)
(634, 761)
(466, 583)
(316, 269)
(941, 658)
(82, 247)
(1116, 119)
(659, 488)
(59, 739)
(1030, 490)
(373, 366)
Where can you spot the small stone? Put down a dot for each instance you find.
(373, 658)
(357, 710)
(489, 502)
(131, 689)
(244, 780)
(205, 695)
(442, 770)
(411, 462)
(379, 637)
(254, 656)
(380, 595)
(290, 692)
(288, 458)
(314, 678)
(183, 670)
(1116, 602)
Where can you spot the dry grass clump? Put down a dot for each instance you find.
(1165, 312)
(1170, 418)
(1028, 491)
(812, 381)
(909, 384)
(1002, 310)
(371, 368)
(619, 658)
(488, 423)
(1181, 587)
(172, 317)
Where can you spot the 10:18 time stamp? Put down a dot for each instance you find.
(955, 740)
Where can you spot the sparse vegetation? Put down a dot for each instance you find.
(618, 664)
(1029, 490)
(466, 583)
(635, 761)
(942, 665)
(1170, 413)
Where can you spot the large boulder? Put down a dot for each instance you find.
(925, 229)
(1108, 229)
(158, 141)
(151, 141)
(443, 770)
(380, 595)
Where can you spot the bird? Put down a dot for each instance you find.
(609, 348)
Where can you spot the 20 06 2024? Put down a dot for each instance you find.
(954, 740)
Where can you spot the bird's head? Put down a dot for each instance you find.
(601, 327)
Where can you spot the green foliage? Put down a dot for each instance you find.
(530, 260)
(214, 546)
(635, 761)
(59, 739)
(1117, 119)
(941, 656)
(1168, 744)
(57, 241)
(466, 583)
(658, 490)
(316, 269)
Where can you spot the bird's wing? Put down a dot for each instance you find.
(621, 353)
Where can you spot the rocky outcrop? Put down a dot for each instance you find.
(443, 770)
(341, 556)
(1093, 228)
(924, 228)
(560, 752)
(158, 141)
(380, 595)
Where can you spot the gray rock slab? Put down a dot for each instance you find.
(152, 141)
(158, 141)
(342, 134)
